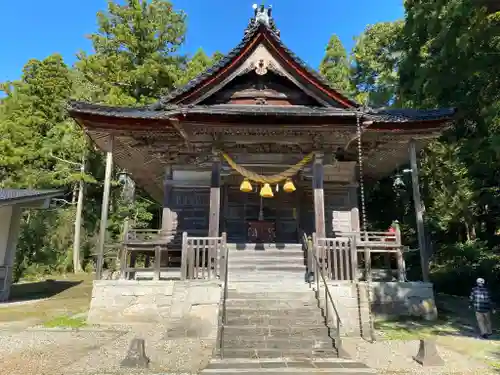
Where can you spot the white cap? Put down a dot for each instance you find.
(480, 281)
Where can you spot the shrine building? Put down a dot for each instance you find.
(258, 149)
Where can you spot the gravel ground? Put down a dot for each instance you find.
(396, 357)
(96, 351)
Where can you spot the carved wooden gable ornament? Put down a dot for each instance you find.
(260, 70)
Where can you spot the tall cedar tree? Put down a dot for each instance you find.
(335, 65)
(135, 58)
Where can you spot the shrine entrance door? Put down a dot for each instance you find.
(248, 218)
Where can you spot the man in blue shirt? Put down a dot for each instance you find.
(480, 301)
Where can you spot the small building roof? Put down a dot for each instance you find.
(9, 197)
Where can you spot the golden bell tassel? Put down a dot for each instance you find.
(266, 191)
(246, 187)
(289, 187)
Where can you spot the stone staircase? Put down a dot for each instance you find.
(274, 322)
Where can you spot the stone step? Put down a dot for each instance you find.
(292, 283)
(276, 276)
(266, 320)
(289, 315)
(306, 296)
(270, 304)
(316, 331)
(270, 261)
(252, 353)
(278, 254)
(285, 366)
(264, 246)
(269, 342)
(244, 269)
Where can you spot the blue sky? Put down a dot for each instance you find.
(36, 29)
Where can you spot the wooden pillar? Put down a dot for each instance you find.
(319, 196)
(215, 182)
(419, 212)
(104, 207)
(167, 214)
(14, 224)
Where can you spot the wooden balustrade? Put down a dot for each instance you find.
(202, 257)
(143, 235)
(341, 255)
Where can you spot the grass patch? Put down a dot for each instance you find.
(409, 328)
(65, 321)
(66, 295)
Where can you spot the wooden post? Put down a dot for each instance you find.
(214, 218)
(77, 267)
(104, 208)
(319, 196)
(167, 216)
(184, 257)
(419, 212)
(156, 275)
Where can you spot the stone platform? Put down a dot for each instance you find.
(117, 302)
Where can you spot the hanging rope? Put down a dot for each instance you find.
(273, 179)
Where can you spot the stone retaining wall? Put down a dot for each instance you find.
(388, 299)
(122, 302)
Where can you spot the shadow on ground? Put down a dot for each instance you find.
(455, 329)
(40, 290)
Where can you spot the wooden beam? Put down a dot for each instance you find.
(178, 126)
(319, 197)
(215, 182)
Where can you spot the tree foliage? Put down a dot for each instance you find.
(443, 54)
(135, 58)
(375, 73)
(335, 65)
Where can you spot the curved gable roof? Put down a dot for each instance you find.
(259, 33)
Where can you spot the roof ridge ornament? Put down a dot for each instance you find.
(262, 16)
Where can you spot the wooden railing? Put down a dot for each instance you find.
(202, 257)
(143, 235)
(340, 256)
(153, 245)
(317, 272)
(337, 257)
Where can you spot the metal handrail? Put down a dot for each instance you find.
(223, 319)
(328, 296)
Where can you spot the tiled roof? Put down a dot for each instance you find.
(226, 60)
(13, 195)
(382, 115)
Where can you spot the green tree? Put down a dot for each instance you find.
(375, 73)
(135, 58)
(37, 136)
(335, 65)
(195, 66)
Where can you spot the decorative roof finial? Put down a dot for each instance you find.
(262, 16)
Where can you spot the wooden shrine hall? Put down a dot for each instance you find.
(259, 147)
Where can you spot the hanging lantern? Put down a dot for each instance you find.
(289, 187)
(245, 186)
(266, 191)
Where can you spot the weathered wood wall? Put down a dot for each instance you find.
(341, 209)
